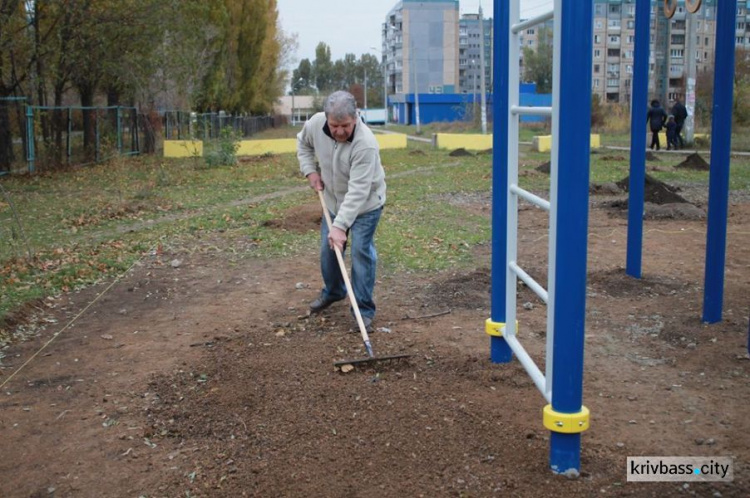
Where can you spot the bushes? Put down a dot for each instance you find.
(224, 152)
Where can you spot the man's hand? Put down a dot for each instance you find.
(316, 183)
(336, 238)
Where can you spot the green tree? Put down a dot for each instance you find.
(14, 58)
(537, 65)
(323, 68)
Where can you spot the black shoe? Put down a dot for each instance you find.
(368, 324)
(321, 303)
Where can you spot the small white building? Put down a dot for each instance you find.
(298, 107)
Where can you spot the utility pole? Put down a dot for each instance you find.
(690, 80)
(385, 85)
(365, 91)
(416, 90)
(481, 64)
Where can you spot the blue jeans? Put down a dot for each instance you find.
(364, 262)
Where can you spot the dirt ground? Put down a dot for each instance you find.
(200, 374)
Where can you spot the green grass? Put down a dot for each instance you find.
(91, 223)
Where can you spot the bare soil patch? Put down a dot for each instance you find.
(209, 379)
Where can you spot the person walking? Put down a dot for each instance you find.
(680, 115)
(656, 117)
(350, 175)
(671, 127)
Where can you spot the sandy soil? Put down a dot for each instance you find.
(206, 378)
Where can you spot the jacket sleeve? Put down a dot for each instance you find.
(306, 150)
(364, 167)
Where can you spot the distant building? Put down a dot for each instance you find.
(470, 45)
(298, 108)
(420, 47)
(614, 46)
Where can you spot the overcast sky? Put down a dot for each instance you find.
(354, 26)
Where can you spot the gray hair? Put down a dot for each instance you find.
(340, 105)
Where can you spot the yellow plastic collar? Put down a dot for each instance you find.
(496, 329)
(568, 423)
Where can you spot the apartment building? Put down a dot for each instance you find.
(421, 47)
(474, 37)
(669, 46)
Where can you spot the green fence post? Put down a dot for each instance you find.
(30, 137)
(119, 131)
(68, 141)
(96, 148)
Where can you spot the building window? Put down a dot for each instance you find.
(614, 38)
(612, 82)
(597, 54)
(597, 38)
(629, 69)
(677, 53)
(631, 24)
(596, 68)
(596, 83)
(631, 39)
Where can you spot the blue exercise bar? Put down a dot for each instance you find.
(500, 352)
(721, 142)
(638, 106)
(572, 227)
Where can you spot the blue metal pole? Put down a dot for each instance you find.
(721, 141)
(576, 20)
(638, 139)
(30, 137)
(500, 352)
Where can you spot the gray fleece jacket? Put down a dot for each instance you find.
(351, 171)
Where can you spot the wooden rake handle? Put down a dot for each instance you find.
(347, 282)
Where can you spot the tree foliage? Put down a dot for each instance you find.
(323, 76)
(154, 54)
(537, 65)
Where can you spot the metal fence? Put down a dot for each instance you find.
(182, 125)
(44, 138)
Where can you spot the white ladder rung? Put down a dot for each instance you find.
(526, 195)
(531, 110)
(533, 21)
(529, 281)
(528, 364)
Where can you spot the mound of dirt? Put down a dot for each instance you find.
(607, 188)
(650, 156)
(613, 158)
(694, 161)
(544, 167)
(460, 153)
(485, 152)
(298, 219)
(417, 152)
(656, 191)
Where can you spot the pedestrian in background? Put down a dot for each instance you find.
(656, 118)
(671, 127)
(680, 115)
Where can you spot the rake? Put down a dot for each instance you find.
(371, 358)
